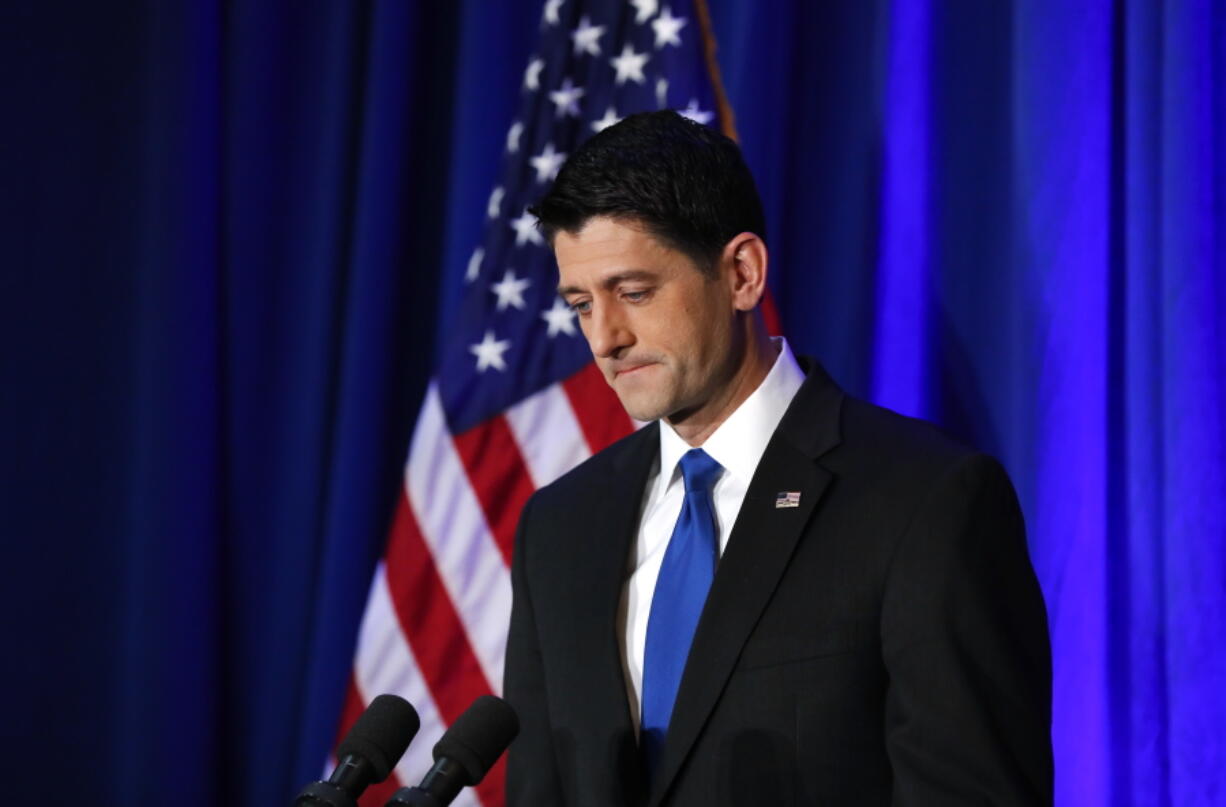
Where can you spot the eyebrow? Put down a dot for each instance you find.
(612, 280)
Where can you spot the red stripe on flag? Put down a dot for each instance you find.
(774, 325)
(498, 475)
(435, 632)
(599, 412)
(429, 620)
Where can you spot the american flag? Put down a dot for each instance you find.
(516, 401)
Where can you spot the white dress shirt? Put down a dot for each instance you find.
(737, 444)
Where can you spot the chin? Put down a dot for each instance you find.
(641, 413)
(646, 397)
(642, 409)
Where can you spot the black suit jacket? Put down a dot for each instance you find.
(885, 642)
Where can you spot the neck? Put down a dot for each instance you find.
(696, 426)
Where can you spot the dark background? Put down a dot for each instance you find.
(232, 233)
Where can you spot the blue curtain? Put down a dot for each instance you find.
(233, 232)
(1011, 218)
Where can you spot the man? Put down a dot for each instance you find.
(774, 594)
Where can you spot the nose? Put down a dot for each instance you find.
(607, 332)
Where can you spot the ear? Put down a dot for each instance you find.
(744, 260)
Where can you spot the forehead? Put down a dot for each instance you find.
(606, 246)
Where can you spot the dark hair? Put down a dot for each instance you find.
(686, 183)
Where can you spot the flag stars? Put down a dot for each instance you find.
(662, 93)
(532, 76)
(489, 352)
(493, 208)
(695, 114)
(551, 11)
(474, 265)
(547, 163)
(587, 37)
(513, 135)
(610, 118)
(644, 9)
(566, 98)
(629, 65)
(525, 230)
(510, 290)
(560, 318)
(667, 28)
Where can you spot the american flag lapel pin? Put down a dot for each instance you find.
(787, 498)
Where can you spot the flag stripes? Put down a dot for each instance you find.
(454, 527)
(384, 662)
(499, 477)
(548, 434)
(429, 621)
(423, 638)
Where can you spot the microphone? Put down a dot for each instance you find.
(367, 754)
(464, 754)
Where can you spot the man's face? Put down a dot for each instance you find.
(661, 331)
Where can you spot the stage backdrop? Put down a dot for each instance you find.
(234, 232)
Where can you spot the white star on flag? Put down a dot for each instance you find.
(489, 352)
(510, 290)
(525, 229)
(566, 98)
(532, 76)
(587, 37)
(551, 11)
(695, 114)
(667, 28)
(513, 134)
(493, 208)
(644, 9)
(610, 118)
(547, 163)
(561, 318)
(629, 65)
(474, 265)
(662, 93)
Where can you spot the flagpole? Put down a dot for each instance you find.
(727, 121)
(727, 125)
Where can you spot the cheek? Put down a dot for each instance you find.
(672, 335)
(682, 329)
(699, 327)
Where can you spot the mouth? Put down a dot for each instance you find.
(625, 371)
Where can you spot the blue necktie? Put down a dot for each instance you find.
(681, 589)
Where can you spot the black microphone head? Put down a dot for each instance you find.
(479, 736)
(381, 734)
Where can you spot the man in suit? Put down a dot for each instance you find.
(774, 594)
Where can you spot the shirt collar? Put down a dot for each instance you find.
(739, 442)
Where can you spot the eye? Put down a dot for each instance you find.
(636, 296)
(581, 306)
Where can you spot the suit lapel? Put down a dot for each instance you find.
(613, 523)
(759, 549)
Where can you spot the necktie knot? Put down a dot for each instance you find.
(699, 470)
